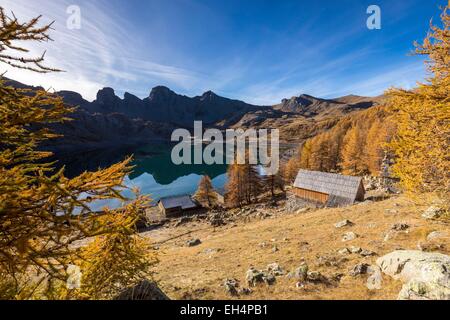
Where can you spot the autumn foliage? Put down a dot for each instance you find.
(244, 184)
(422, 142)
(43, 214)
(355, 145)
(206, 194)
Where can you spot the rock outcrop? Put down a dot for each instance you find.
(344, 223)
(307, 105)
(349, 236)
(375, 280)
(145, 290)
(426, 276)
(433, 213)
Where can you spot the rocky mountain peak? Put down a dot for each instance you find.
(130, 97)
(296, 104)
(208, 96)
(106, 96)
(160, 91)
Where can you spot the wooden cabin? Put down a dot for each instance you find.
(328, 189)
(178, 206)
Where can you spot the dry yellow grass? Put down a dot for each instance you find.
(195, 273)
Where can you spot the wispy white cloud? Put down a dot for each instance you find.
(330, 85)
(100, 54)
(403, 76)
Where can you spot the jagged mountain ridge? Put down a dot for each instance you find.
(164, 105)
(95, 130)
(110, 120)
(310, 106)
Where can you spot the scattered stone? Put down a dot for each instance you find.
(367, 253)
(302, 210)
(355, 250)
(344, 251)
(419, 290)
(275, 269)
(345, 223)
(389, 235)
(359, 269)
(245, 291)
(433, 213)
(375, 281)
(393, 190)
(211, 251)
(316, 277)
(201, 217)
(330, 260)
(391, 211)
(275, 249)
(262, 245)
(217, 222)
(269, 279)
(231, 286)
(349, 236)
(263, 215)
(194, 242)
(337, 277)
(253, 277)
(429, 246)
(426, 276)
(300, 285)
(371, 225)
(300, 273)
(183, 220)
(400, 227)
(436, 235)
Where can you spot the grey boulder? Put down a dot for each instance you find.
(425, 275)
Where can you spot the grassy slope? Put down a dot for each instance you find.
(193, 274)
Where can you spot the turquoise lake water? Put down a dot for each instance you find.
(154, 173)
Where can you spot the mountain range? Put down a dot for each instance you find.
(110, 121)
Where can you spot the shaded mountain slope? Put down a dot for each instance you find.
(113, 121)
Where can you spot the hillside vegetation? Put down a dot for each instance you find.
(289, 240)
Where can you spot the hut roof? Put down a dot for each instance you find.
(184, 202)
(342, 189)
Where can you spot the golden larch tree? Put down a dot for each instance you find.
(42, 212)
(290, 169)
(373, 148)
(422, 142)
(305, 155)
(352, 152)
(206, 194)
(234, 189)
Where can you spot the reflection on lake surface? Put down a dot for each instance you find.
(154, 173)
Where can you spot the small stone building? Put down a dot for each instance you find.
(328, 189)
(178, 206)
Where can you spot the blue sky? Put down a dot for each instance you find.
(257, 51)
